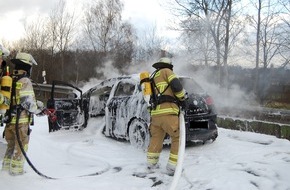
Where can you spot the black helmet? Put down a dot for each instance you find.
(163, 62)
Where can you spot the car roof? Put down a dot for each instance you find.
(134, 77)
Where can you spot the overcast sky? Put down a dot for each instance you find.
(14, 12)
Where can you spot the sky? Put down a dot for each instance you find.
(139, 12)
(236, 160)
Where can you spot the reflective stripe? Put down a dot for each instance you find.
(152, 157)
(1, 99)
(17, 163)
(161, 86)
(171, 77)
(157, 74)
(25, 147)
(18, 85)
(165, 110)
(21, 120)
(17, 166)
(180, 94)
(16, 170)
(6, 163)
(173, 159)
(26, 92)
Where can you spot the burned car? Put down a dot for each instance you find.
(121, 102)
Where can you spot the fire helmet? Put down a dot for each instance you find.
(24, 61)
(163, 62)
(3, 51)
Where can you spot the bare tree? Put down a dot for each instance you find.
(102, 21)
(210, 23)
(109, 35)
(124, 47)
(285, 32)
(259, 7)
(148, 45)
(198, 42)
(36, 34)
(36, 41)
(267, 39)
(61, 30)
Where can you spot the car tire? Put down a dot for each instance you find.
(139, 135)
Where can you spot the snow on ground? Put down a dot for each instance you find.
(236, 160)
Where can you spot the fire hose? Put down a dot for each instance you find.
(181, 152)
(18, 111)
(52, 117)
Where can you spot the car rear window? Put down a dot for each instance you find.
(191, 86)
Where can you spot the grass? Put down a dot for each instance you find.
(278, 105)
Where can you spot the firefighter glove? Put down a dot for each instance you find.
(185, 96)
(40, 104)
(40, 108)
(182, 105)
(4, 100)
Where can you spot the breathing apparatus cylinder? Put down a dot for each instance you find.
(6, 87)
(146, 86)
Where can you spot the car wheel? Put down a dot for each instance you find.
(139, 135)
(214, 137)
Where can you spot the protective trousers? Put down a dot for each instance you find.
(160, 125)
(13, 159)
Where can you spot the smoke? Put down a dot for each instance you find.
(140, 67)
(108, 71)
(85, 86)
(231, 97)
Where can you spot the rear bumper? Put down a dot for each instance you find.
(202, 135)
(201, 128)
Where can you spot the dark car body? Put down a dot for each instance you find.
(121, 102)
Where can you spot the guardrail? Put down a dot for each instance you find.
(47, 88)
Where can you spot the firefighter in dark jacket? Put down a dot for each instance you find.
(164, 117)
(23, 99)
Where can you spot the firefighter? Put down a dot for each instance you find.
(22, 102)
(164, 116)
(3, 53)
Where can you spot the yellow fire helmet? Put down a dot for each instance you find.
(163, 62)
(3, 51)
(23, 61)
(24, 58)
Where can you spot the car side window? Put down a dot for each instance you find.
(125, 89)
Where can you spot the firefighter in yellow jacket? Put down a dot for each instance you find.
(23, 99)
(164, 117)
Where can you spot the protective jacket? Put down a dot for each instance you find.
(164, 118)
(163, 79)
(24, 95)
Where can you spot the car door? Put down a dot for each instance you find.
(66, 102)
(98, 99)
(119, 108)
